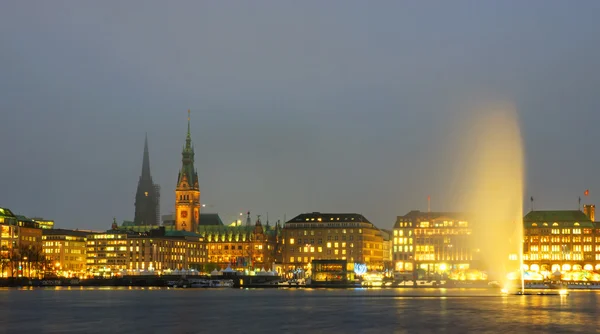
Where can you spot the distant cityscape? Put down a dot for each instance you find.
(422, 245)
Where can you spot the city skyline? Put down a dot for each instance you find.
(344, 110)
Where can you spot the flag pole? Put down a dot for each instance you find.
(428, 203)
(531, 203)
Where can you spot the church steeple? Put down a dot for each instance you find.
(187, 192)
(146, 197)
(146, 161)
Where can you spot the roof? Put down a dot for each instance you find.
(22, 218)
(416, 216)
(60, 231)
(4, 212)
(210, 219)
(556, 216)
(181, 234)
(563, 218)
(318, 217)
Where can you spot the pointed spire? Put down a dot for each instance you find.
(146, 162)
(188, 137)
(248, 220)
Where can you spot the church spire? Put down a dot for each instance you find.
(146, 162)
(146, 197)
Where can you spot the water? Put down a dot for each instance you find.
(491, 155)
(124, 310)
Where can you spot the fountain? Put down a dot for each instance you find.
(491, 189)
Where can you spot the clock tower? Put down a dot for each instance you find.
(187, 192)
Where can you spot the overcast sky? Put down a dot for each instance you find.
(297, 106)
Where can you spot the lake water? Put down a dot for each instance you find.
(138, 310)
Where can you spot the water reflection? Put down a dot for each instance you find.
(94, 310)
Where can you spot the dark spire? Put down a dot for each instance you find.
(248, 220)
(146, 162)
(146, 199)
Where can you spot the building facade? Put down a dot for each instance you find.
(433, 242)
(65, 251)
(147, 201)
(121, 252)
(187, 191)
(560, 241)
(21, 246)
(330, 236)
(252, 246)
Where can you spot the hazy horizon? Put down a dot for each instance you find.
(295, 107)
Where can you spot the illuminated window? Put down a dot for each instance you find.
(329, 245)
(291, 241)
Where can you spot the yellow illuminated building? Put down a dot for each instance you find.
(21, 246)
(560, 241)
(330, 236)
(119, 252)
(433, 242)
(251, 246)
(65, 251)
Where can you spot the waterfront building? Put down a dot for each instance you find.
(560, 241)
(433, 242)
(147, 196)
(21, 245)
(65, 251)
(155, 251)
(250, 246)
(187, 191)
(330, 236)
(8, 241)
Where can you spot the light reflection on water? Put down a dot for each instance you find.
(135, 310)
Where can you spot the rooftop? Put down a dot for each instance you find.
(60, 231)
(318, 217)
(556, 216)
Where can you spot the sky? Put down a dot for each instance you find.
(296, 106)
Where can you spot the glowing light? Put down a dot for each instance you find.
(563, 292)
(443, 267)
(360, 269)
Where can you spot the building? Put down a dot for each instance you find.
(387, 249)
(433, 242)
(147, 197)
(330, 236)
(155, 251)
(65, 251)
(8, 242)
(590, 211)
(21, 245)
(187, 192)
(560, 241)
(252, 246)
(44, 223)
